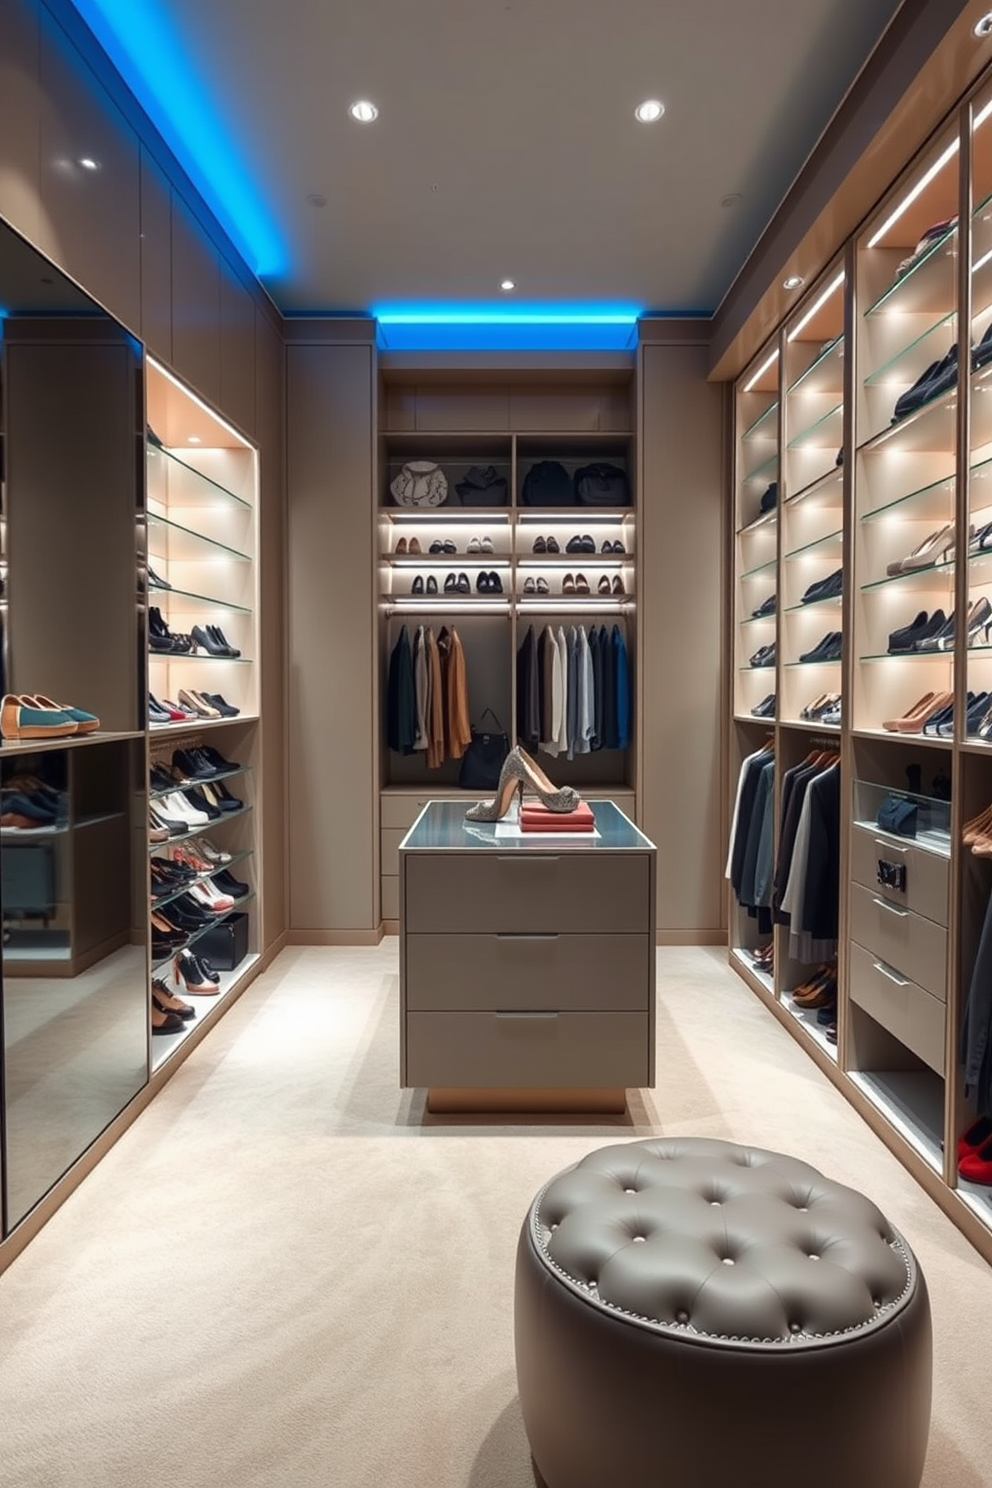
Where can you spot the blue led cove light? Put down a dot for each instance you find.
(467, 327)
(140, 40)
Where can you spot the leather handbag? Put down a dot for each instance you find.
(547, 483)
(898, 815)
(483, 759)
(601, 485)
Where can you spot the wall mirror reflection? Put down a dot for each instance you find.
(73, 863)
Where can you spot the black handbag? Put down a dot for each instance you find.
(601, 485)
(898, 815)
(483, 759)
(547, 483)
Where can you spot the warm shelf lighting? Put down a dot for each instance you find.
(818, 306)
(649, 111)
(916, 191)
(364, 111)
(761, 371)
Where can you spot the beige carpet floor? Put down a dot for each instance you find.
(285, 1276)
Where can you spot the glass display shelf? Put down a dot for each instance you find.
(912, 656)
(830, 545)
(164, 1045)
(930, 428)
(923, 741)
(756, 720)
(807, 1020)
(185, 544)
(441, 827)
(181, 785)
(766, 471)
(918, 580)
(218, 919)
(749, 671)
(757, 619)
(457, 560)
(70, 741)
(207, 827)
(438, 515)
(920, 290)
(832, 483)
(198, 657)
(181, 726)
(810, 725)
(932, 825)
(888, 372)
(826, 373)
(833, 601)
(762, 568)
(168, 594)
(572, 560)
(767, 519)
(574, 516)
(202, 490)
(765, 425)
(236, 858)
(826, 432)
(835, 663)
(933, 502)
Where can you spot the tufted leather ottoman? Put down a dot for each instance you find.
(694, 1313)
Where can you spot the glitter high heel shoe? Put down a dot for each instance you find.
(511, 780)
(555, 798)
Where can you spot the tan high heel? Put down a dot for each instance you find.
(913, 721)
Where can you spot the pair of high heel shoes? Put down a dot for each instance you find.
(518, 771)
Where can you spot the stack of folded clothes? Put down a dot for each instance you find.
(540, 819)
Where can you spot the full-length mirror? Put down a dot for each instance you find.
(73, 865)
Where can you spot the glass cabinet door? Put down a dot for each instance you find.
(756, 523)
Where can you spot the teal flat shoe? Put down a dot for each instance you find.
(86, 723)
(24, 720)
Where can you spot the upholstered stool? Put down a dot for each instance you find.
(694, 1313)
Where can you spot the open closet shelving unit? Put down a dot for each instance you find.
(894, 501)
(509, 422)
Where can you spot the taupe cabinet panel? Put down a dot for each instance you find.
(91, 218)
(237, 351)
(195, 305)
(333, 788)
(528, 892)
(270, 392)
(681, 600)
(20, 117)
(156, 260)
(517, 1050)
(466, 973)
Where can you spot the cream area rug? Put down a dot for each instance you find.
(285, 1275)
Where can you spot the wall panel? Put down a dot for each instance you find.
(195, 304)
(269, 422)
(156, 260)
(237, 351)
(20, 117)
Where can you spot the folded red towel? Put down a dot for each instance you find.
(582, 812)
(575, 829)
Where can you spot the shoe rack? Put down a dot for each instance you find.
(882, 533)
(202, 483)
(509, 425)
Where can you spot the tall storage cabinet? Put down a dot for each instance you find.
(877, 388)
(503, 449)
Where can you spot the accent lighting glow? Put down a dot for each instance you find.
(487, 327)
(794, 281)
(761, 371)
(88, 163)
(507, 284)
(650, 110)
(141, 40)
(983, 27)
(920, 186)
(818, 306)
(364, 111)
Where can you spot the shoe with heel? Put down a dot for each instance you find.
(518, 771)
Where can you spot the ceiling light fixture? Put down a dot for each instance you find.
(88, 163)
(364, 111)
(648, 111)
(814, 309)
(507, 284)
(983, 27)
(193, 439)
(920, 186)
(761, 371)
(316, 200)
(794, 281)
(733, 199)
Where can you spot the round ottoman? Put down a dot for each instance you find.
(694, 1313)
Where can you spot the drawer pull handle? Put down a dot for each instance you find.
(901, 914)
(510, 935)
(891, 975)
(526, 857)
(890, 847)
(528, 1014)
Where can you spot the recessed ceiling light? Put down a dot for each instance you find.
(983, 27)
(88, 163)
(316, 200)
(648, 111)
(733, 199)
(364, 111)
(507, 284)
(194, 439)
(794, 281)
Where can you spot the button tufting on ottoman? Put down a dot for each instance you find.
(694, 1313)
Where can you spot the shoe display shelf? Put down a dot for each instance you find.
(756, 541)
(810, 585)
(202, 544)
(486, 435)
(201, 520)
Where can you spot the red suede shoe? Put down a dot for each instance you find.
(976, 1136)
(977, 1166)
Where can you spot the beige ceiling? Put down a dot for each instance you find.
(506, 143)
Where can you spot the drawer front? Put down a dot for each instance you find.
(526, 891)
(903, 940)
(390, 898)
(925, 876)
(486, 973)
(389, 841)
(539, 1051)
(909, 1012)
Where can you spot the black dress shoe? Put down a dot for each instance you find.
(553, 544)
(205, 641)
(462, 585)
(828, 649)
(431, 584)
(437, 546)
(495, 583)
(222, 640)
(588, 544)
(448, 546)
(450, 584)
(905, 639)
(767, 607)
(540, 545)
(224, 708)
(417, 587)
(482, 582)
(574, 545)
